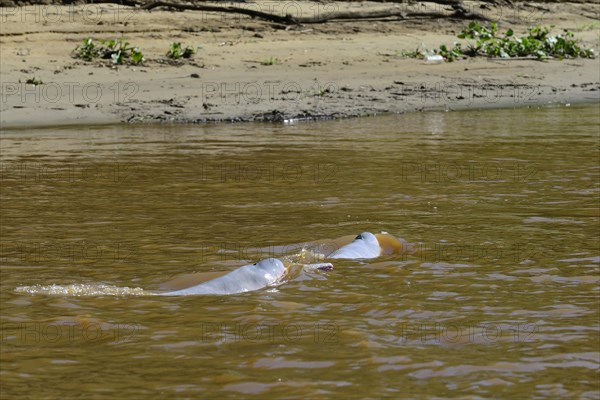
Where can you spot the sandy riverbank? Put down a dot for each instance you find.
(336, 69)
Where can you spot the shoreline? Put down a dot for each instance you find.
(108, 120)
(248, 70)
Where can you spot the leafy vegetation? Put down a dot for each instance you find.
(176, 51)
(485, 41)
(270, 61)
(320, 90)
(117, 50)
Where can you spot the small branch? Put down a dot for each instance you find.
(227, 9)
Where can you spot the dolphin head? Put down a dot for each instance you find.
(364, 245)
(272, 269)
(368, 237)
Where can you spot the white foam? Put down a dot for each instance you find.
(83, 289)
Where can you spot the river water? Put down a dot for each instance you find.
(500, 300)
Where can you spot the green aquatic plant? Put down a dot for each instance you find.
(450, 54)
(136, 56)
(87, 50)
(321, 90)
(270, 61)
(417, 53)
(117, 50)
(487, 42)
(176, 51)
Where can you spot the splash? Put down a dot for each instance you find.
(82, 289)
(305, 259)
(306, 256)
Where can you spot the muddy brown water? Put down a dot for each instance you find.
(500, 301)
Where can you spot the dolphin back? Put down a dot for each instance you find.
(244, 279)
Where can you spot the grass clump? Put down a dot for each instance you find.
(118, 51)
(487, 42)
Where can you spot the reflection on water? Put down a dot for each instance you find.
(500, 297)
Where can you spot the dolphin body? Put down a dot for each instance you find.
(364, 245)
(250, 277)
(367, 245)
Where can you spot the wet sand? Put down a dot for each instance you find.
(253, 70)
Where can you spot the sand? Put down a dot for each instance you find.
(252, 70)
